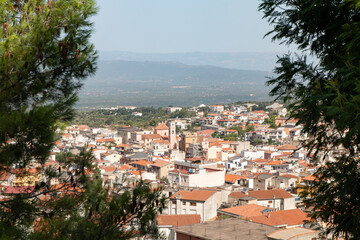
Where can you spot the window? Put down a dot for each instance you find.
(184, 203)
(192, 203)
(173, 202)
(270, 201)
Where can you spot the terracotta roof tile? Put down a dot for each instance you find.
(246, 211)
(285, 217)
(110, 169)
(18, 190)
(309, 178)
(142, 162)
(178, 220)
(162, 126)
(161, 141)
(237, 195)
(205, 132)
(104, 140)
(160, 163)
(286, 147)
(269, 194)
(195, 195)
(232, 178)
(289, 176)
(151, 136)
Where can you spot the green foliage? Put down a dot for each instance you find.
(271, 121)
(40, 71)
(325, 97)
(239, 129)
(228, 137)
(342, 180)
(250, 128)
(183, 113)
(101, 214)
(100, 118)
(44, 56)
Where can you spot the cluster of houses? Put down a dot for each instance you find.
(216, 189)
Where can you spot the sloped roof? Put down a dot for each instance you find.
(177, 220)
(151, 136)
(125, 167)
(161, 126)
(160, 163)
(269, 194)
(309, 178)
(293, 233)
(237, 195)
(289, 176)
(142, 162)
(110, 169)
(232, 177)
(284, 217)
(159, 141)
(277, 162)
(103, 140)
(286, 147)
(195, 195)
(249, 210)
(18, 190)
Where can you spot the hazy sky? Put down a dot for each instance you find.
(166, 26)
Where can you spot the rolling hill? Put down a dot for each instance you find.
(148, 83)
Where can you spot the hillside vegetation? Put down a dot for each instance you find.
(163, 83)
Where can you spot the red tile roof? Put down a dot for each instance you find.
(161, 126)
(309, 178)
(249, 210)
(160, 163)
(269, 194)
(231, 178)
(289, 176)
(104, 140)
(286, 147)
(285, 217)
(195, 195)
(205, 132)
(125, 167)
(151, 136)
(142, 162)
(178, 220)
(18, 190)
(161, 141)
(277, 162)
(237, 195)
(110, 169)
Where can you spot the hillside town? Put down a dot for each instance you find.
(230, 173)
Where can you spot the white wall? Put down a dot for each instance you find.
(207, 179)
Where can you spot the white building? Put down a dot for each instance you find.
(187, 174)
(201, 202)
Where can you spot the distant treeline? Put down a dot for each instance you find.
(151, 116)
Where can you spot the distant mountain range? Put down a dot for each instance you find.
(264, 61)
(155, 83)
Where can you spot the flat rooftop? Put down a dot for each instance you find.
(227, 229)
